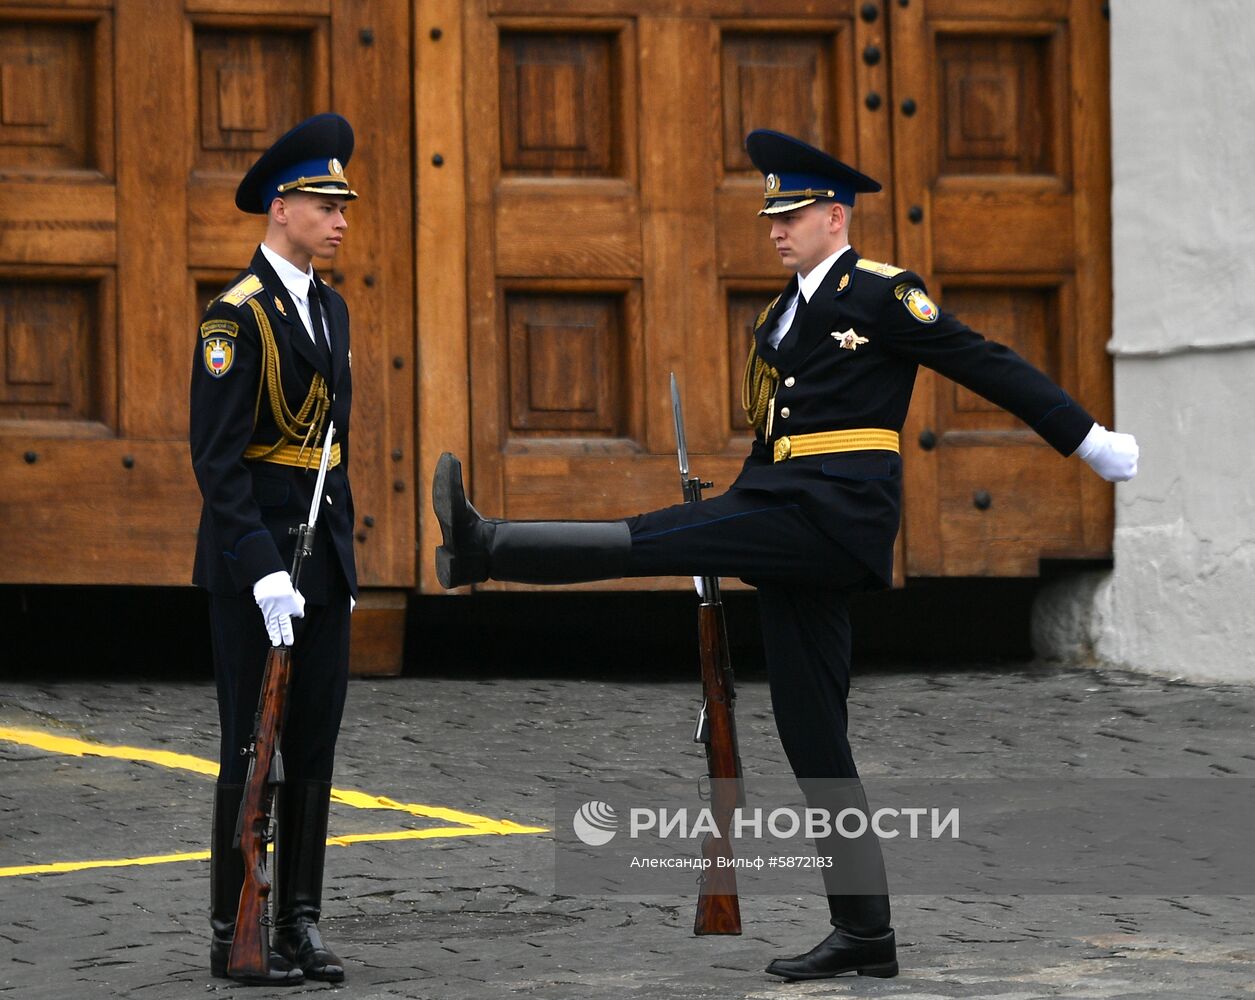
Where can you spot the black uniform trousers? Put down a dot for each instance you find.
(804, 581)
(320, 672)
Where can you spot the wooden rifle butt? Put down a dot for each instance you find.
(250, 947)
(717, 914)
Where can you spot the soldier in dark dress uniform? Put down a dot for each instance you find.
(813, 515)
(270, 371)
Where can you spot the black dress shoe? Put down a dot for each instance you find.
(282, 972)
(842, 952)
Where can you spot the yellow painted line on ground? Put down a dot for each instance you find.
(81, 748)
(342, 840)
(470, 824)
(58, 867)
(481, 824)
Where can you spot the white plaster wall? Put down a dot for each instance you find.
(1183, 163)
(1181, 598)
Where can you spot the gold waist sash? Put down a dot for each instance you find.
(291, 454)
(831, 442)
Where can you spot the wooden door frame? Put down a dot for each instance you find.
(442, 347)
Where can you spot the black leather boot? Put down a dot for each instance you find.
(226, 878)
(302, 843)
(463, 558)
(477, 548)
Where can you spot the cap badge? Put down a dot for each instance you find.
(773, 184)
(334, 168)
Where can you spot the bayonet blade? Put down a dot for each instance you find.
(677, 414)
(324, 459)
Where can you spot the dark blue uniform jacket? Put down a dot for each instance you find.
(250, 505)
(856, 497)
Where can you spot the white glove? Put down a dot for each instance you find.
(1113, 456)
(279, 604)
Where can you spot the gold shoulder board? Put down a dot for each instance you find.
(876, 267)
(241, 292)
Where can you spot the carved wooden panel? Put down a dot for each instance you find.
(206, 286)
(1026, 319)
(50, 364)
(566, 359)
(743, 310)
(999, 106)
(779, 81)
(560, 103)
(252, 86)
(47, 94)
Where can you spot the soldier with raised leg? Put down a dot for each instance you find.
(813, 515)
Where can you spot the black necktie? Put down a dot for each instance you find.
(799, 316)
(321, 333)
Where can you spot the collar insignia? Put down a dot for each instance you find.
(279, 306)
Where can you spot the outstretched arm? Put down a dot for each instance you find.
(922, 333)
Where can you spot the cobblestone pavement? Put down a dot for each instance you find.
(476, 916)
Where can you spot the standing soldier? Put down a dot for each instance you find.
(813, 515)
(270, 371)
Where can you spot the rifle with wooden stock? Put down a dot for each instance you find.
(718, 907)
(250, 948)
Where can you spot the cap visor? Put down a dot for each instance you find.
(788, 206)
(339, 192)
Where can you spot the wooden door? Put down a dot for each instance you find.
(1001, 187)
(124, 128)
(612, 235)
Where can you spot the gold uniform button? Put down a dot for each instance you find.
(789, 381)
(784, 413)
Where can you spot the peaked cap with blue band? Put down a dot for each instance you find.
(309, 157)
(797, 174)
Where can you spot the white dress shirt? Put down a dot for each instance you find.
(807, 287)
(297, 284)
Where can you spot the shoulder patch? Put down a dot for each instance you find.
(218, 354)
(221, 327)
(762, 316)
(920, 306)
(876, 267)
(241, 292)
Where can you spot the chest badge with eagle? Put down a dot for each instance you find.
(848, 339)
